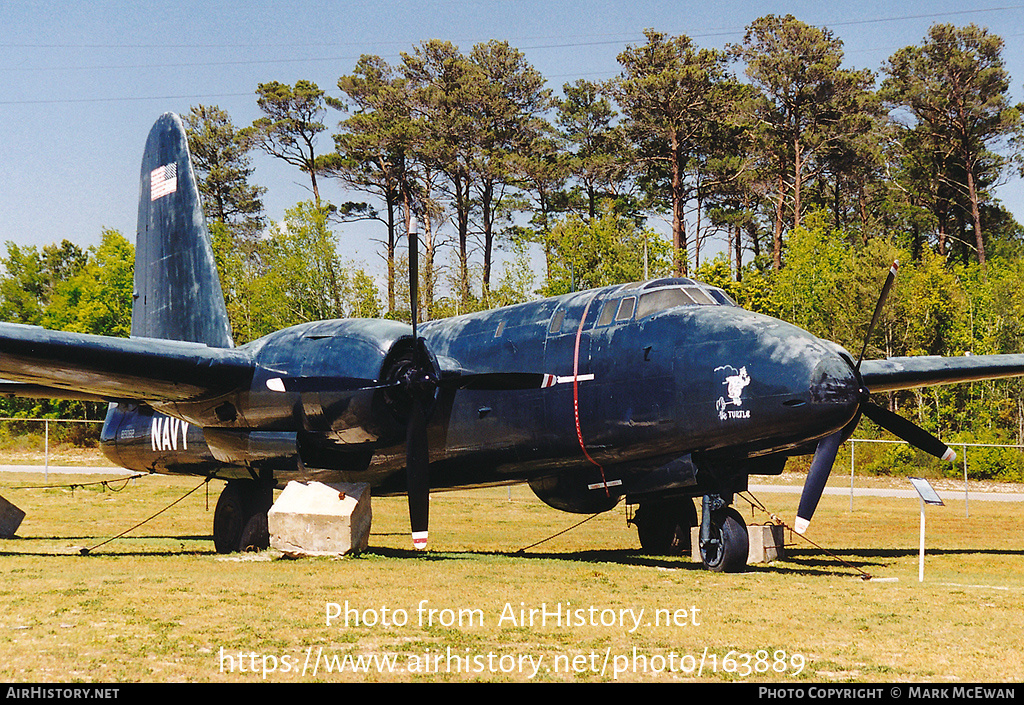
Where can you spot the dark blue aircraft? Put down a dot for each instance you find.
(656, 392)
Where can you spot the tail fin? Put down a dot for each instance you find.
(177, 290)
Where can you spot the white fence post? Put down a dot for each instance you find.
(851, 474)
(967, 509)
(46, 434)
(965, 446)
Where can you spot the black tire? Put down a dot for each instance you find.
(229, 519)
(664, 527)
(727, 551)
(256, 536)
(240, 519)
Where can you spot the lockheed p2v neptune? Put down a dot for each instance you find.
(658, 392)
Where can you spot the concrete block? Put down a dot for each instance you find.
(318, 519)
(10, 519)
(765, 543)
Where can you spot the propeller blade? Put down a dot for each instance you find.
(878, 309)
(908, 431)
(499, 381)
(414, 271)
(324, 384)
(417, 469)
(817, 476)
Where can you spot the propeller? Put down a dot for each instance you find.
(422, 385)
(422, 382)
(828, 447)
(889, 280)
(415, 379)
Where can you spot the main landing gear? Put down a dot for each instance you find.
(240, 519)
(664, 530)
(664, 527)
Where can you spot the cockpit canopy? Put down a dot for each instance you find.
(644, 299)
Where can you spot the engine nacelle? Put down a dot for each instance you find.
(341, 374)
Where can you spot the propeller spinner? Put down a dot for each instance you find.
(828, 447)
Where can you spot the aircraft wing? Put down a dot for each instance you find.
(897, 373)
(38, 362)
(39, 391)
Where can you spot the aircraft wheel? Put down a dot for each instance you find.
(664, 527)
(256, 536)
(726, 552)
(229, 519)
(240, 519)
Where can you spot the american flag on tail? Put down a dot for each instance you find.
(163, 180)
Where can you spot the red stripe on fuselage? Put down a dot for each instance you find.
(576, 394)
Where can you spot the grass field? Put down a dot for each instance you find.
(160, 605)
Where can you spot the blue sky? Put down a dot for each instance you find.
(83, 82)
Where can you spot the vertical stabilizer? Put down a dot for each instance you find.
(177, 290)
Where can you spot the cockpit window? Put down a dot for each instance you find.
(722, 297)
(626, 309)
(655, 301)
(699, 296)
(607, 312)
(556, 322)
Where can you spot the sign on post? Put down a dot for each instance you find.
(928, 495)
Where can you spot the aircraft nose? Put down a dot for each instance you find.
(833, 381)
(833, 389)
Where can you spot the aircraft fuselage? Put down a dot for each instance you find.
(636, 380)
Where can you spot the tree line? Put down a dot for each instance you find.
(740, 142)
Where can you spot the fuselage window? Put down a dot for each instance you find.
(626, 309)
(608, 312)
(556, 322)
(660, 300)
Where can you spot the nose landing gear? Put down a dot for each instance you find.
(664, 530)
(724, 542)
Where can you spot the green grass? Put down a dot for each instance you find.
(160, 605)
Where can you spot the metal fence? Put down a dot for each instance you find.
(954, 446)
(46, 432)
